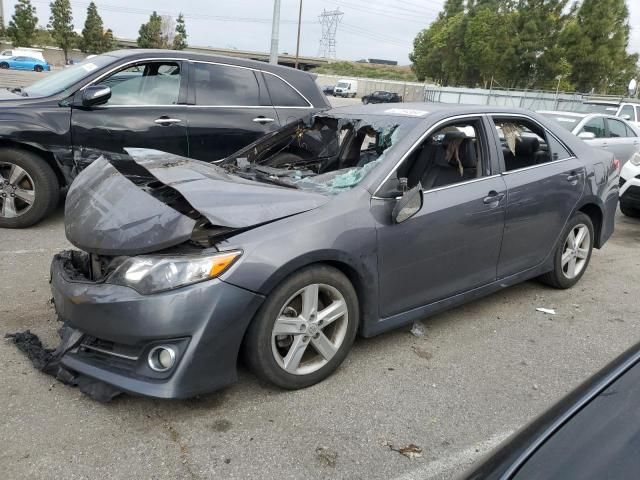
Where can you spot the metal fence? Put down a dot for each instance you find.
(530, 99)
(409, 91)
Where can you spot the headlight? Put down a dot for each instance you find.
(150, 274)
(635, 160)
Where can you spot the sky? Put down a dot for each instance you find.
(368, 28)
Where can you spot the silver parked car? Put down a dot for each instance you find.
(601, 131)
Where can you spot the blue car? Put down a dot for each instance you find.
(25, 63)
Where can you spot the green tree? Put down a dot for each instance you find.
(93, 34)
(61, 26)
(23, 24)
(180, 40)
(489, 53)
(150, 33)
(42, 38)
(596, 42)
(107, 41)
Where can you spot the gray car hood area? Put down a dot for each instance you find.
(108, 213)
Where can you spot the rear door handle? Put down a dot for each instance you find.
(493, 197)
(263, 120)
(573, 177)
(166, 121)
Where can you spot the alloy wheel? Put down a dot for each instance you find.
(576, 251)
(310, 328)
(17, 190)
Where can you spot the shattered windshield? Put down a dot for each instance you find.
(326, 154)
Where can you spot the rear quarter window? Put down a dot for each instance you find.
(282, 94)
(223, 85)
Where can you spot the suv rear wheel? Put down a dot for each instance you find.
(29, 188)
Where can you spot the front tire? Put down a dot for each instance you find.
(305, 328)
(629, 211)
(572, 254)
(4, 65)
(38, 68)
(29, 188)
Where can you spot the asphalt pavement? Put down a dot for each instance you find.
(478, 373)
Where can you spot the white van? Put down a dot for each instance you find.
(23, 52)
(346, 88)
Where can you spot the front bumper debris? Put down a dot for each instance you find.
(47, 360)
(110, 331)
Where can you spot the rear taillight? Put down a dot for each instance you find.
(616, 164)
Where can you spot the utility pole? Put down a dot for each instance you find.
(298, 41)
(275, 32)
(1, 15)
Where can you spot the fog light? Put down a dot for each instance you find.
(162, 358)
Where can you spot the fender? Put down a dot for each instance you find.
(52, 143)
(362, 272)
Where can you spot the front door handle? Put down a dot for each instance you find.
(493, 197)
(166, 121)
(263, 120)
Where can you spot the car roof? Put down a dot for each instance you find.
(187, 55)
(423, 109)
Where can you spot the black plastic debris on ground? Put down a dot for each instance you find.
(47, 360)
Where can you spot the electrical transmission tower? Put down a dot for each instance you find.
(329, 21)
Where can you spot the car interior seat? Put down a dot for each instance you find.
(445, 171)
(527, 153)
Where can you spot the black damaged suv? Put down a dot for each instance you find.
(199, 106)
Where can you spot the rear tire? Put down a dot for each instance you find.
(571, 257)
(38, 68)
(4, 65)
(365, 101)
(330, 327)
(38, 179)
(629, 211)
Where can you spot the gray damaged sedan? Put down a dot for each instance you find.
(356, 221)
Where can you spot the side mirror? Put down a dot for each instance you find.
(587, 135)
(625, 116)
(408, 205)
(95, 95)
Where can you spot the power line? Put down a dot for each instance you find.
(378, 13)
(187, 15)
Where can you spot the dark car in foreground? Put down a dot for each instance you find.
(358, 220)
(591, 434)
(380, 96)
(188, 104)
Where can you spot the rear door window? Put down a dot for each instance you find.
(225, 85)
(283, 95)
(617, 129)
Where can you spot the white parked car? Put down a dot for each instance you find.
(630, 187)
(607, 132)
(23, 52)
(625, 110)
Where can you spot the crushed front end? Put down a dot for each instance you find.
(170, 344)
